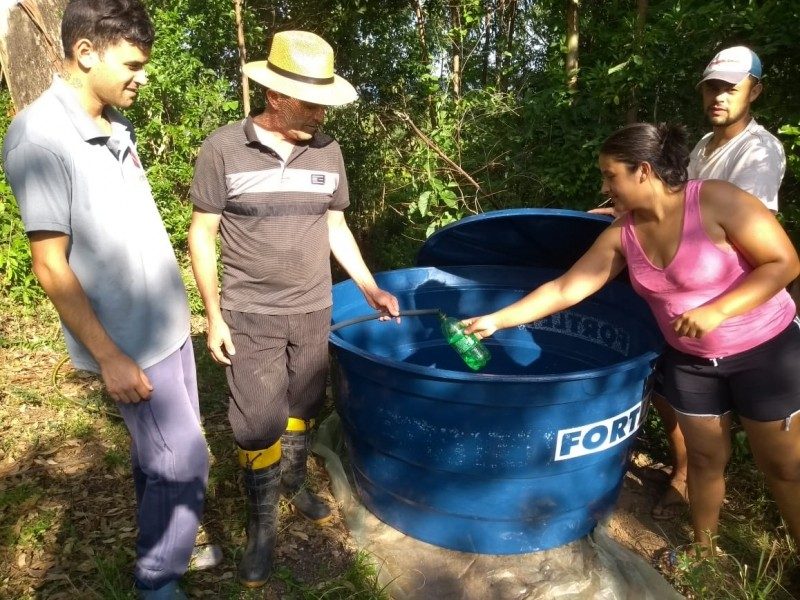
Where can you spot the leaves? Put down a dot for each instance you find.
(422, 203)
(618, 67)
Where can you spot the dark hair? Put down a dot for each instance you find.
(663, 146)
(105, 23)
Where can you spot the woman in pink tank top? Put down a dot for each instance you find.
(713, 264)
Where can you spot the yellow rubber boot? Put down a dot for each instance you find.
(262, 479)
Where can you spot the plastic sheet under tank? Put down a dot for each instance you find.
(527, 454)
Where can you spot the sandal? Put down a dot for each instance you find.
(657, 473)
(672, 504)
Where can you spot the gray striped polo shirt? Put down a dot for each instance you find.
(70, 177)
(273, 227)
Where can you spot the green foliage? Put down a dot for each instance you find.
(33, 530)
(359, 582)
(12, 503)
(790, 211)
(113, 575)
(184, 101)
(791, 133)
(115, 458)
(727, 578)
(16, 278)
(512, 126)
(515, 127)
(17, 495)
(78, 427)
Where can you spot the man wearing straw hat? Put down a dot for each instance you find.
(274, 187)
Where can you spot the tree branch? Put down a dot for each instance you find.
(432, 145)
(237, 6)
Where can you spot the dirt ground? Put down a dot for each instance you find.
(632, 525)
(92, 519)
(67, 507)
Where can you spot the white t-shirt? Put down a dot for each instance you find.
(753, 160)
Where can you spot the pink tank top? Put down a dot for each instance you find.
(700, 272)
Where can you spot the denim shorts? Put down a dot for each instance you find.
(761, 384)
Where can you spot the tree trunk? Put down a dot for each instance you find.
(30, 47)
(237, 9)
(500, 35)
(511, 20)
(641, 18)
(420, 17)
(423, 45)
(572, 44)
(487, 48)
(456, 46)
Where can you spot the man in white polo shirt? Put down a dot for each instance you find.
(102, 255)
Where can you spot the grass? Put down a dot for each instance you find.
(115, 458)
(67, 508)
(760, 559)
(33, 531)
(17, 495)
(729, 578)
(76, 426)
(12, 502)
(113, 581)
(359, 582)
(24, 396)
(76, 528)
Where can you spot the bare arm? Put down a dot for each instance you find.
(734, 216)
(345, 250)
(203, 251)
(601, 263)
(124, 380)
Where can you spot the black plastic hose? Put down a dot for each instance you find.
(403, 313)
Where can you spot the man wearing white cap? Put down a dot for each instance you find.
(274, 187)
(738, 149)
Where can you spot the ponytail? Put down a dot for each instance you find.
(664, 146)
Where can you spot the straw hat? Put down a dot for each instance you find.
(300, 65)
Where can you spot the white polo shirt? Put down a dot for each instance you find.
(69, 176)
(753, 160)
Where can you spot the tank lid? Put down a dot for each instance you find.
(531, 237)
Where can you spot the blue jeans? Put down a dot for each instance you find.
(170, 468)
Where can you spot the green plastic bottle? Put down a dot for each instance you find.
(471, 350)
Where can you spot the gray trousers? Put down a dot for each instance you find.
(170, 468)
(278, 371)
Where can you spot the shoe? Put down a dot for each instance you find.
(206, 556)
(168, 591)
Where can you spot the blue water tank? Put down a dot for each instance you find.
(527, 454)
